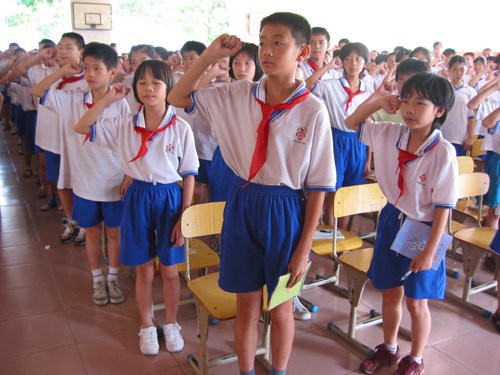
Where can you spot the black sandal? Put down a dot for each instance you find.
(495, 318)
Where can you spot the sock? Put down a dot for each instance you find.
(417, 359)
(251, 372)
(97, 275)
(393, 348)
(277, 372)
(113, 274)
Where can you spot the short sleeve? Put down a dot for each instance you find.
(322, 173)
(189, 162)
(56, 100)
(444, 194)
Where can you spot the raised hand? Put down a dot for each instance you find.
(117, 92)
(71, 69)
(224, 46)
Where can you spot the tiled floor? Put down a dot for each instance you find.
(49, 325)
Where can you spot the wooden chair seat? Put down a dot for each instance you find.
(358, 259)
(201, 256)
(220, 304)
(479, 237)
(324, 246)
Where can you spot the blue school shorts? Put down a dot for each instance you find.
(221, 178)
(350, 158)
(262, 227)
(52, 164)
(387, 266)
(492, 168)
(150, 212)
(495, 243)
(91, 213)
(14, 113)
(30, 128)
(459, 149)
(203, 172)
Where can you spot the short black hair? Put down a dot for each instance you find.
(457, 59)
(298, 25)
(481, 59)
(412, 66)
(497, 59)
(47, 42)
(381, 57)
(343, 40)
(469, 54)
(159, 69)
(19, 50)
(435, 44)
(102, 52)
(425, 51)
(357, 47)
(253, 51)
(321, 31)
(193, 45)
(401, 52)
(77, 38)
(14, 44)
(434, 88)
(162, 52)
(148, 49)
(449, 52)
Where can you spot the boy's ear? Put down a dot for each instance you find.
(440, 111)
(305, 51)
(113, 73)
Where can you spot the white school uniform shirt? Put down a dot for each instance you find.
(13, 92)
(94, 173)
(491, 103)
(331, 92)
(308, 70)
(429, 181)
(47, 134)
(377, 80)
(133, 104)
(171, 154)
(204, 140)
(454, 128)
(300, 146)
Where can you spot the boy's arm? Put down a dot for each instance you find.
(215, 71)
(316, 76)
(492, 119)
(423, 261)
(22, 68)
(482, 94)
(298, 261)
(224, 46)
(67, 70)
(390, 103)
(187, 196)
(90, 117)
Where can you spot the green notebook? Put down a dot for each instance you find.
(282, 293)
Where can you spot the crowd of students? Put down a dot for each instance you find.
(274, 130)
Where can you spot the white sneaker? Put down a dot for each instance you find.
(300, 312)
(149, 341)
(69, 232)
(116, 294)
(80, 236)
(173, 339)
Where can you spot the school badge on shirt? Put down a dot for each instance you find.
(300, 135)
(170, 148)
(422, 179)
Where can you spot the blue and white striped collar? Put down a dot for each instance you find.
(140, 121)
(428, 144)
(344, 83)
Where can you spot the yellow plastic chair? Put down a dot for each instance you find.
(474, 242)
(349, 201)
(331, 247)
(211, 301)
(476, 153)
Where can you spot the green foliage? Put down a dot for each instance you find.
(46, 15)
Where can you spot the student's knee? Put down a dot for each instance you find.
(392, 297)
(169, 273)
(417, 307)
(146, 272)
(249, 307)
(93, 233)
(113, 234)
(282, 313)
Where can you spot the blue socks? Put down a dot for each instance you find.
(276, 372)
(251, 372)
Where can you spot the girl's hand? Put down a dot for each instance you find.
(422, 262)
(468, 143)
(390, 103)
(297, 265)
(127, 181)
(177, 238)
(224, 46)
(117, 92)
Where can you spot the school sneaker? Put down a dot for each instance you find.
(300, 312)
(69, 232)
(382, 358)
(47, 204)
(149, 341)
(100, 294)
(408, 366)
(80, 236)
(173, 338)
(115, 292)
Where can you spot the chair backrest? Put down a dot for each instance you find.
(358, 199)
(202, 219)
(472, 184)
(477, 148)
(465, 164)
